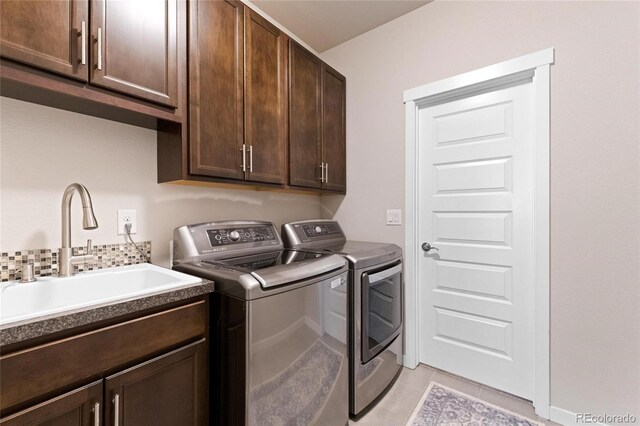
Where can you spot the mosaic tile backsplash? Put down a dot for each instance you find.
(45, 261)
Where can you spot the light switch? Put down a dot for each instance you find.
(394, 217)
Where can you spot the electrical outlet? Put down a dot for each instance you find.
(394, 217)
(124, 217)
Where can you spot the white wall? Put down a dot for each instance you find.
(595, 163)
(43, 149)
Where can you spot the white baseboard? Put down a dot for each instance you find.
(567, 418)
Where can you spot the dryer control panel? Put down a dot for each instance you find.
(309, 233)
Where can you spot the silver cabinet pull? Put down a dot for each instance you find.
(100, 48)
(96, 414)
(322, 172)
(326, 172)
(251, 158)
(83, 42)
(244, 156)
(116, 410)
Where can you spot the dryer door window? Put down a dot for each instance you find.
(381, 309)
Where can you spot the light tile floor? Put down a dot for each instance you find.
(396, 407)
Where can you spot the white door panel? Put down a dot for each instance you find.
(472, 253)
(473, 202)
(474, 279)
(472, 123)
(473, 227)
(468, 176)
(476, 207)
(486, 150)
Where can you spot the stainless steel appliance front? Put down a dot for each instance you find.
(376, 282)
(282, 359)
(376, 333)
(279, 352)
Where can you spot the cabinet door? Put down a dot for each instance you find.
(79, 407)
(334, 130)
(169, 390)
(265, 114)
(46, 34)
(216, 88)
(134, 48)
(305, 116)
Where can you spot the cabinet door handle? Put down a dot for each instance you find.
(243, 166)
(116, 410)
(99, 48)
(251, 158)
(321, 172)
(326, 172)
(96, 414)
(83, 42)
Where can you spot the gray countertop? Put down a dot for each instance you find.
(29, 329)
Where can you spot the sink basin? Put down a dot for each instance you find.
(53, 295)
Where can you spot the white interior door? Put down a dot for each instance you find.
(476, 208)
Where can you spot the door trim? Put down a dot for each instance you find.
(534, 67)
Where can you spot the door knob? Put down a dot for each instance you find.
(427, 247)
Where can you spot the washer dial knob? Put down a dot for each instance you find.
(317, 229)
(234, 235)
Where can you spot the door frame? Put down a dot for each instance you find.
(532, 68)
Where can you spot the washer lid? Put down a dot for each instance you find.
(277, 268)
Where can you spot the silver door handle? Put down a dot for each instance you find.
(428, 247)
(96, 414)
(322, 172)
(116, 409)
(251, 158)
(83, 43)
(244, 156)
(100, 48)
(326, 172)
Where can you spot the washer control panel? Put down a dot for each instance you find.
(218, 239)
(240, 235)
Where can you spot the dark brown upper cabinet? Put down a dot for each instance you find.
(334, 147)
(238, 94)
(317, 142)
(216, 90)
(305, 118)
(119, 60)
(265, 104)
(52, 35)
(134, 48)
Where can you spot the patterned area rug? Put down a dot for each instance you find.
(298, 394)
(443, 406)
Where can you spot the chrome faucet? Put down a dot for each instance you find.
(66, 259)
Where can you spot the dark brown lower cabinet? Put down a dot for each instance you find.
(143, 369)
(78, 407)
(168, 390)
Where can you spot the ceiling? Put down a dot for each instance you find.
(328, 23)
